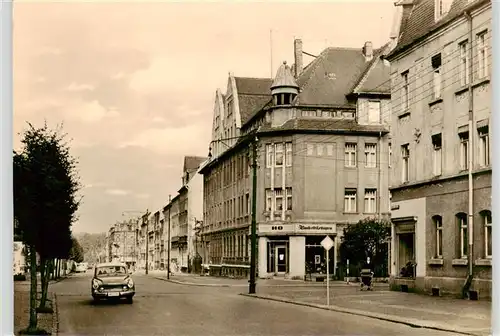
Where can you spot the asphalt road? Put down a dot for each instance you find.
(163, 308)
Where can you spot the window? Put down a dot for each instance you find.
(370, 155)
(464, 243)
(464, 64)
(269, 155)
(441, 8)
(482, 55)
(436, 70)
(484, 146)
(350, 200)
(329, 149)
(350, 155)
(373, 111)
(319, 148)
(438, 224)
(248, 203)
(464, 150)
(269, 199)
(278, 199)
(370, 200)
(288, 154)
(405, 153)
(488, 237)
(310, 149)
(405, 92)
(278, 154)
(437, 160)
(229, 107)
(289, 198)
(390, 154)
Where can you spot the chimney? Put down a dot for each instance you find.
(297, 47)
(368, 50)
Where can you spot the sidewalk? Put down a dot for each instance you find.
(210, 281)
(460, 316)
(48, 322)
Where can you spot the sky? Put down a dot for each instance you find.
(133, 83)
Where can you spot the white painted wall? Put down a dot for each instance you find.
(195, 209)
(262, 262)
(417, 208)
(297, 256)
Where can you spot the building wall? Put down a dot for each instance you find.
(195, 211)
(430, 116)
(447, 193)
(318, 179)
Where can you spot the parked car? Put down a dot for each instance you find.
(81, 267)
(112, 281)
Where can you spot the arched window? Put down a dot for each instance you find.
(438, 225)
(463, 237)
(488, 238)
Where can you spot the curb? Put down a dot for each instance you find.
(196, 284)
(384, 317)
(55, 316)
(245, 285)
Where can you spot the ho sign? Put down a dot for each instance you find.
(276, 227)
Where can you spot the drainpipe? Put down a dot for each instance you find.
(379, 176)
(470, 221)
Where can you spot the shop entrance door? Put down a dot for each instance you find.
(280, 256)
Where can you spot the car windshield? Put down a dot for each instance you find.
(104, 271)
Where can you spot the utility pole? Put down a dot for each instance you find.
(147, 240)
(253, 236)
(169, 243)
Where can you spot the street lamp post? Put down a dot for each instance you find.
(253, 269)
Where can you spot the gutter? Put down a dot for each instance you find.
(470, 221)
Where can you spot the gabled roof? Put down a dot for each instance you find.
(253, 94)
(418, 20)
(192, 163)
(376, 77)
(331, 76)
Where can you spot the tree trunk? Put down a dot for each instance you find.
(33, 289)
(45, 277)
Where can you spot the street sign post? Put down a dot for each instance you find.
(327, 244)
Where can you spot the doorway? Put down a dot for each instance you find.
(406, 254)
(280, 260)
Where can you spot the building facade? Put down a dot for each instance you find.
(441, 110)
(122, 242)
(181, 214)
(323, 153)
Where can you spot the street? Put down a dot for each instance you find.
(164, 308)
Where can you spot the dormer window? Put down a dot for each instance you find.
(441, 8)
(284, 88)
(284, 98)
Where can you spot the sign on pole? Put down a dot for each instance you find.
(327, 244)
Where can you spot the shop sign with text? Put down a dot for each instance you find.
(315, 228)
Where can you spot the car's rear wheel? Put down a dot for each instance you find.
(129, 299)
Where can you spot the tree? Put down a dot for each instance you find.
(367, 238)
(76, 253)
(45, 204)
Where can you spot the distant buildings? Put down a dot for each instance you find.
(122, 242)
(323, 160)
(441, 116)
(181, 214)
(19, 262)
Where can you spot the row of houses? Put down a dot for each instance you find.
(399, 131)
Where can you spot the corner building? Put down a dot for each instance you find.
(323, 161)
(440, 70)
